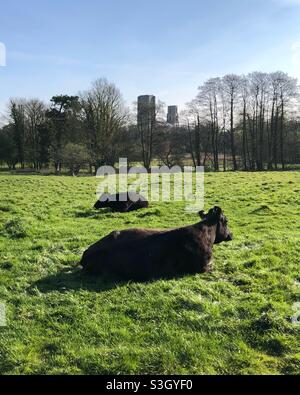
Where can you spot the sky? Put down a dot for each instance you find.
(162, 47)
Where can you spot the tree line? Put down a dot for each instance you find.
(252, 118)
(234, 123)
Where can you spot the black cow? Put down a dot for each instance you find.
(142, 255)
(122, 202)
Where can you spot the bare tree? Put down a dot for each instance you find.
(104, 115)
(245, 93)
(16, 110)
(231, 86)
(27, 118)
(150, 124)
(208, 98)
(34, 117)
(198, 132)
(287, 91)
(259, 90)
(225, 117)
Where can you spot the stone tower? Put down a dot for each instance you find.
(173, 118)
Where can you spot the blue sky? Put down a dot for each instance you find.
(162, 47)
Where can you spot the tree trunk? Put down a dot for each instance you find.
(244, 137)
(281, 135)
(233, 152)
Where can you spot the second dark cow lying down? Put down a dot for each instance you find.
(122, 202)
(142, 255)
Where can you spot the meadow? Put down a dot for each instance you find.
(235, 320)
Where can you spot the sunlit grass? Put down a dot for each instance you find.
(236, 320)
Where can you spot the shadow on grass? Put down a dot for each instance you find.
(76, 280)
(92, 213)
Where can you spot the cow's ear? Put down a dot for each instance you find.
(215, 214)
(218, 211)
(202, 214)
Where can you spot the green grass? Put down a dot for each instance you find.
(236, 320)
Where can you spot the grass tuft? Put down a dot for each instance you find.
(15, 229)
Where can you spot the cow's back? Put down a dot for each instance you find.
(109, 246)
(145, 254)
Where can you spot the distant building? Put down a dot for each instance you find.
(173, 118)
(146, 111)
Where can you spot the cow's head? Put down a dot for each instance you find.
(99, 205)
(103, 202)
(216, 216)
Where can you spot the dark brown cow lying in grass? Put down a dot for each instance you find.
(122, 202)
(141, 254)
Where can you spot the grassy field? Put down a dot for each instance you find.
(236, 320)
